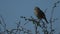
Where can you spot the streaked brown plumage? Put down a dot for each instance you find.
(40, 14)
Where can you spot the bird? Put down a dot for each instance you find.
(40, 14)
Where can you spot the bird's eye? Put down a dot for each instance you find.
(36, 8)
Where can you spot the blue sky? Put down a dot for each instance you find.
(11, 10)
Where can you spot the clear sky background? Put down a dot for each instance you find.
(11, 10)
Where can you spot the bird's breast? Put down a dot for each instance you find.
(36, 13)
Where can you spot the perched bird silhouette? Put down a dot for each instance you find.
(40, 14)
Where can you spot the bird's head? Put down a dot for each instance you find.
(36, 8)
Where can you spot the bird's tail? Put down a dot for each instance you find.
(46, 20)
